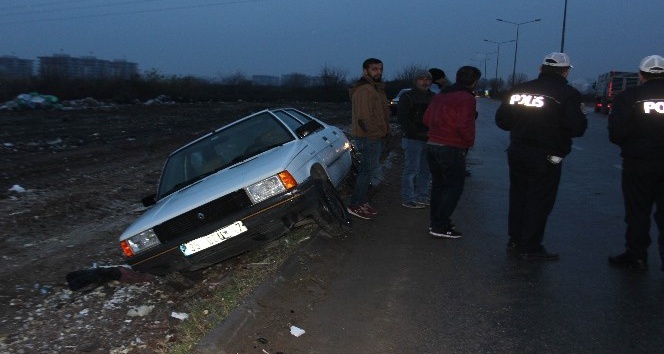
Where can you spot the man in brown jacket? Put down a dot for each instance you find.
(371, 115)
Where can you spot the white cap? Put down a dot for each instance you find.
(557, 59)
(653, 64)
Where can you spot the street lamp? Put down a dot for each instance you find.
(498, 53)
(516, 46)
(485, 60)
(562, 41)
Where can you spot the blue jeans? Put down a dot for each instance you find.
(448, 174)
(370, 151)
(416, 176)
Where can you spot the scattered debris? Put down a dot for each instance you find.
(16, 188)
(161, 99)
(179, 315)
(296, 331)
(140, 311)
(38, 101)
(97, 276)
(32, 100)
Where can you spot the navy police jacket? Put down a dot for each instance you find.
(543, 114)
(636, 121)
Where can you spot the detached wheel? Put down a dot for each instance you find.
(331, 214)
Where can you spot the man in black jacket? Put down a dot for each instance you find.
(636, 124)
(542, 116)
(416, 177)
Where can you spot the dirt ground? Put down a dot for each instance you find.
(71, 181)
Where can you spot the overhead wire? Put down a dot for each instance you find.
(130, 12)
(50, 3)
(44, 7)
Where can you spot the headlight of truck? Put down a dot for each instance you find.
(270, 187)
(139, 243)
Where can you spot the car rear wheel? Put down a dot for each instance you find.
(331, 214)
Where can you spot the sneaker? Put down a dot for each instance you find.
(448, 232)
(359, 212)
(412, 205)
(369, 209)
(624, 260)
(424, 203)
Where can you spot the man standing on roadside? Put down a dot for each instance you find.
(416, 177)
(370, 128)
(542, 116)
(636, 124)
(451, 120)
(438, 78)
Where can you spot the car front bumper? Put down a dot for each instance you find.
(264, 221)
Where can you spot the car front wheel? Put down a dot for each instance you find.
(331, 214)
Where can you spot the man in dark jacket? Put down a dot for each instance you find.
(438, 79)
(542, 116)
(451, 120)
(636, 124)
(415, 177)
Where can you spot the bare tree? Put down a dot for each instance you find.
(236, 79)
(518, 78)
(406, 75)
(496, 85)
(333, 78)
(333, 83)
(295, 80)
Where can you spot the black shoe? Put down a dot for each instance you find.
(538, 256)
(448, 232)
(624, 260)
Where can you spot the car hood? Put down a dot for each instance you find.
(215, 186)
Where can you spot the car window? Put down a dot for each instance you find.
(292, 118)
(221, 149)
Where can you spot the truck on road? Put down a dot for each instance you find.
(608, 85)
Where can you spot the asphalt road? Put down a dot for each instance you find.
(391, 288)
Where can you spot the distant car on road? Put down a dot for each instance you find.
(239, 187)
(394, 103)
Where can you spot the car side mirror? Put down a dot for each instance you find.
(308, 128)
(150, 200)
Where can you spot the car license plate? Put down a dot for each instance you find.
(212, 239)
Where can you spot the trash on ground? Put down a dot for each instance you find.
(296, 331)
(16, 188)
(140, 311)
(179, 315)
(98, 276)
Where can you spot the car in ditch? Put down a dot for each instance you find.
(238, 187)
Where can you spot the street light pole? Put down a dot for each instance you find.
(486, 58)
(498, 54)
(562, 41)
(516, 47)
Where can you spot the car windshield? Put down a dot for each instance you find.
(221, 149)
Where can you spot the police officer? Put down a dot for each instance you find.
(636, 124)
(542, 116)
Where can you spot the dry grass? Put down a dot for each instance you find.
(206, 312)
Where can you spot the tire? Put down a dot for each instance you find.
(331, 214)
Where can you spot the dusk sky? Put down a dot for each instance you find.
(216, 38)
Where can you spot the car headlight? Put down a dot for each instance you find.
(139, 243)
(270, 187)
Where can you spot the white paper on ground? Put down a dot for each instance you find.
(296, 331)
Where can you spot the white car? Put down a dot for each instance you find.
(239, 187)
(394, 103)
